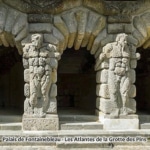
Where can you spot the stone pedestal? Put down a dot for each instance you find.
(50, 122)
(129, 122)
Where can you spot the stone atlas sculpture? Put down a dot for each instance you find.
(119, 55)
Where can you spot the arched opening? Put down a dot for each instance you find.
(11, 82)
(76, 82)
(143, 81)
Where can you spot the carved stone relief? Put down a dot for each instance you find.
(115, 93)
(39, 62)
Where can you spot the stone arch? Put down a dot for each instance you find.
(141, 30)
(13, 27)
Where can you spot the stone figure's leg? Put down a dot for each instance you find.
(124, 90)
(33, 93)
(45, 86)
(113, 91)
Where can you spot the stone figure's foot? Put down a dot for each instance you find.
(43, 115)
(115, 113)
(124, 111)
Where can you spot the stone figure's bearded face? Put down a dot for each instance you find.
(122, 38)
(36, 40)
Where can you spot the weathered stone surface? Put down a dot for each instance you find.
(3, 13)
(40, 18)
(61, 39)
(71, 23)
(27, 75)
(132, 76)
(4, 40)
(133, 64)
(52, 106)
(49, 38)
(103, 91)
(132, 92)
(120, 77)
(97, 41)
(91, 21)
(107, 106)
(54, 76)
(100, 25)
(146, 44)
(53, 91)
(40, 27)
(139, 24)
(109, 38)
(81, 17)
(121, 124)
(102, 76)
(22, 34)
(11, 18)
(54, 63)
(27, 90)
(115, 28)
(145, 18)
(128, 28)
(59, 23)
(119, 18)
(139, 37)
(37, 124)
(103, 65)
(132, 40)
(19, 24)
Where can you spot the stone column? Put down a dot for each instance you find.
(40, 64)
(115, 78)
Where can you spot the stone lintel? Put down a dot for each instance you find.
(50, 122)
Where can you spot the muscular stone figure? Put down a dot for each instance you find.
(119, 55)
(40, 72)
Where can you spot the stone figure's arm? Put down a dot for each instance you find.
(104, 55)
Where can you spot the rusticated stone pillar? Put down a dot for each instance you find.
(40, 106)
(116, 78)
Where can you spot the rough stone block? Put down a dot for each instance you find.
(103, 65)
(92, 18)
(49, 38)
(71, 23)
(140, 25)
(132, 76)
(121, 124)
(102, 76)
(132, 92)
(115, 28)
(19, 24)
(103, 91)
(61, 39)
(133, 63)
(53, 91)
(81, 17)
(59, 23)
(54, 76)
(97, 41)
(128, 28)
(3, 13)
(37, 124)
(27, 75)
(54, 63)
(52, 106)
(132, 40)
(27, 90)
(40, 27)
(106, 105)
(119, 19)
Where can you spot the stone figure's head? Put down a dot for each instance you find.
(36, 40)
(121, 38)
